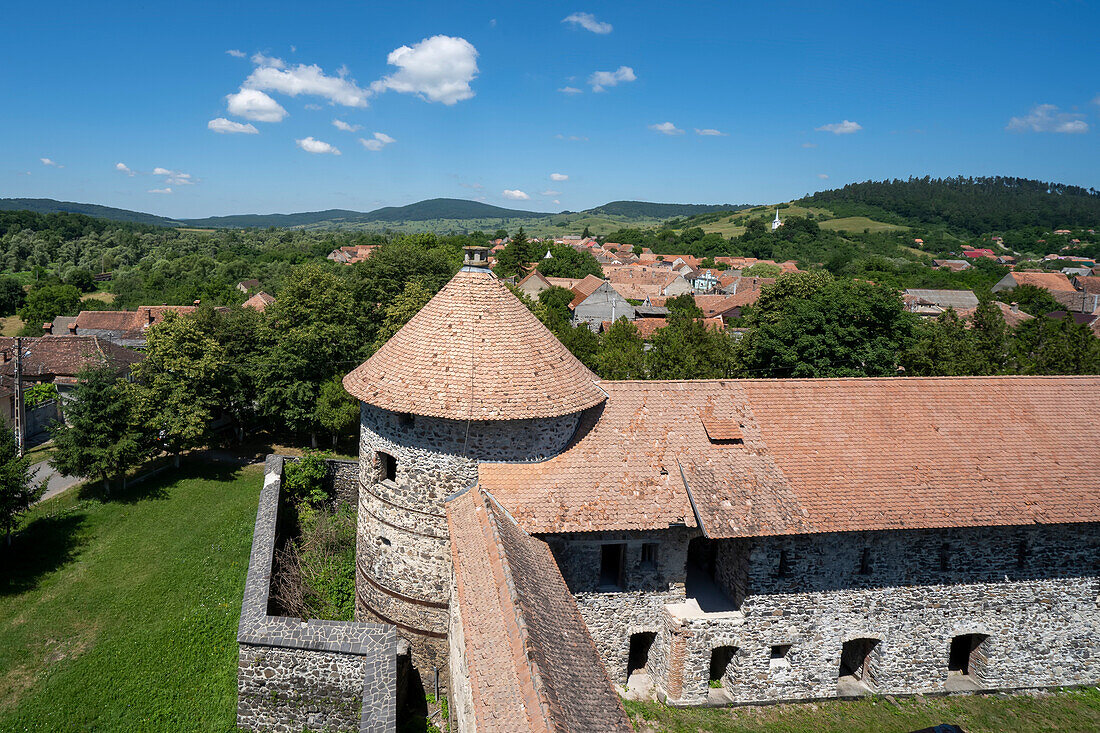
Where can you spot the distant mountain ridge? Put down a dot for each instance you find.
(51, 206)
(456, 210)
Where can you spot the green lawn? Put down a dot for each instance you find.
(1069, 710)
(121, 615)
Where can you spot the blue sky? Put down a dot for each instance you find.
(467, 103)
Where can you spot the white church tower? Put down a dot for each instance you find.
(776, 223)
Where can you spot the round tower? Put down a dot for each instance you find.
(473, 377)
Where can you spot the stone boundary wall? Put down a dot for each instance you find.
(318, 675)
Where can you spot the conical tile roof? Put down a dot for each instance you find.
(475, 352)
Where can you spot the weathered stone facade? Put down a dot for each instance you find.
(637, 606)
(315, 674)
(407, 466)
(1029, 595)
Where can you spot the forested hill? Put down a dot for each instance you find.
(648, 210)
(420, 211)
(971, 206)
(51, 206)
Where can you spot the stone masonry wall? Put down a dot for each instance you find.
(1033, 590)
(613, 615)
(317, 675)
(403, 549)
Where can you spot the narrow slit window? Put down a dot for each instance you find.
(865, 561)
(945, 557)
(387, 465)
(784, 569)
(649, 555)
(611, 566)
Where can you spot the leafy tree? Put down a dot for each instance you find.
(17, 491)
(311, 336)
(406, 305)
(81, 279)
(839, 329)
(582, 342)
(304, 481)
(1048, 346)
(101, 437)
(553, 308)
(762, 269)
(943, 347)
(46, 303)
(1034, 300)
(788, 287)
(567, 262)
(239, 333)
(621, 354)
(686, 348)
(990, 337)
(12, 295)
(179, 385)
(336, 412)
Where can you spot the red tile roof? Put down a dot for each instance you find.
(1013, 318)
(820, 455)
(648, 326)
(532, 664)
(1045, 280)
(475, 352)
(585, 288)
(65, 356)
(1090, 284)
(259, 301)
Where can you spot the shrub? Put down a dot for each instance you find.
(304, 481)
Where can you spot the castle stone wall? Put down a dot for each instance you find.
(613, 615)
(1032, 590)
(403, 547)
(294, 674)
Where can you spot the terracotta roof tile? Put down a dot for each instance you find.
(532, 664)
(259, 301)
(820, 455)
(65, 356)
(1044, 280)
(475, 352)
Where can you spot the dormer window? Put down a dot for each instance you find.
(723, 431)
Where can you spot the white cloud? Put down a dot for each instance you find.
(475, 186)
(600, 80)
(558, 177)
(588, 22)
(260, 60)
(556, 201)
(253, 104)
(310, 145)
(823, 176)
(51, 163)
(710, 132)
(550, 193)
(515, 195)
(226, 127)
(123, 168)
(571, 90)
(572, 138)
(438, 69)
(346, 127)
(379, 141)
(1048, 118)
(235, 53)
(271, 75)
(666, 128)
(159, 190)
(809, 145)
(174, 177)
(847, 127)
(311, 105)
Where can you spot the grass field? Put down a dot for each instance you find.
(121, 615)
(857, 224)
(102, 295)
(1069, 710)
(10, 325)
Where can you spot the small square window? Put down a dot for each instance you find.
(388, 467)
(405, 419)
(649, 555)
(780, 656)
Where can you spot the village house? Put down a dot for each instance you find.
(596, 301)
(56, 360)
(952, 265)
(1050, 281)
(931, 303)
(259, 302)
(247, 286)
(352, 254)
(125, 328)
(637, 282)
(725, 541)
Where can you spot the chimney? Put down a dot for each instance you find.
(149, 316)
(476, 257)
(48, 328)
(196, 302)
(1015, 307)
(72, 328)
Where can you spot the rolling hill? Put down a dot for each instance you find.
(51, 206)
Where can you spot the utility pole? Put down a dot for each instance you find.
(20, 426)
